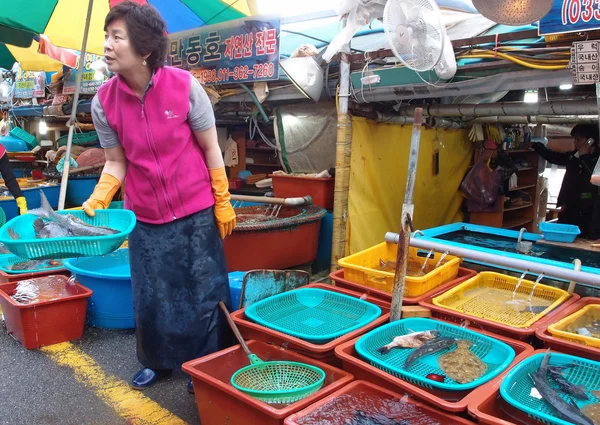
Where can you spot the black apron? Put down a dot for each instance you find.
(178, 276)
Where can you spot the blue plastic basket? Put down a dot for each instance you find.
(28, 246)
(314, 315)
(495, 354)
(517, 385)
(556, 232)
(109, 277)
(6, 261)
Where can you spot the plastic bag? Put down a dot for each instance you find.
(481, 185)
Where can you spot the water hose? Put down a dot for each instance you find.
(256, 102)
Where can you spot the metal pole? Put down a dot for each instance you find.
(501, 260)
(65, 176)
(342, 162)
(408, 209)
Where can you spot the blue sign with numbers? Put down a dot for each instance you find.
(236, 51)
(571, 16)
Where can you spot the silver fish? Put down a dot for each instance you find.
(49, 229)
(567, 411)
(411, 340)
(69, 222)
(431, 347)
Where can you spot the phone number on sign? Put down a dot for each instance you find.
(574, 11)
(239, 73)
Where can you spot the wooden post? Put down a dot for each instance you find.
(407, 215)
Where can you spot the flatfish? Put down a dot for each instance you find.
(462, 365)
(592, 410)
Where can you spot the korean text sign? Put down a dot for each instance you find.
(571, 16)
(236, 51)
(90, 83)
(30, 84)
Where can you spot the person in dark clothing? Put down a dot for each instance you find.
(10, 181)
(577, 196)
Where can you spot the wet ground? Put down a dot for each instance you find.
(85, 383)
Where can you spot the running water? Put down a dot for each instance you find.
(537, 281)
(421, 271)
(519, 283)
(441, 259)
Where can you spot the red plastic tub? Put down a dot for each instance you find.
(219, 403)
(522, 334)
(323, 352)
(339, 408)
(562, 345)
(338, 278)
(46, 322)
(319, 189)
(451, 401)
(490, 408)
(6, 278)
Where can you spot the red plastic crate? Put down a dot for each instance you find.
(46, 322)
(451, 401)
(360, 389)
(323, 352)
(219, 403)
(6, 278)
(489, 408)
(522, 334)
(319, 189)
(562, 345)
(340, 281)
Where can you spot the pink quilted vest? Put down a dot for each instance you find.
(167, 176)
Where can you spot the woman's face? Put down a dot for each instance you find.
(118, 52)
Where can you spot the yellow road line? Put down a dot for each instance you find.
(128, 403)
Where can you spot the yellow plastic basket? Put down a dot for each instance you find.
(567, 327)
(365, 268)
(489, 296)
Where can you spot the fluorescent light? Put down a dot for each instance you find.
(42, 127)
(530, 97)
(566, 86)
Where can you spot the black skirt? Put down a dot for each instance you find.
(178, 276)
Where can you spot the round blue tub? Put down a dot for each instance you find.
(79, 190)
(109, 277)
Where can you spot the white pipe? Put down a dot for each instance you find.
(504, 261)
(572, 107)
(536, 119)
(572, 284)
(65, 176)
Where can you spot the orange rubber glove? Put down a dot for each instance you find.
(224, 214)
(103, 194)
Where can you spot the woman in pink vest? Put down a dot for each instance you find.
(157, 127)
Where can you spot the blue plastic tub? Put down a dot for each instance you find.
(236, 279)
(516, 388)
(495, 354)
(13, 144)
(33, 200)
(557, 232)
(79, 190)
(314, 315)
(109, 277)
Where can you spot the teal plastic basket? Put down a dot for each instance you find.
(558, 232)
(495, 354)
(28, 246)
(517, 385)
(79, 138)
(7, 261)
(19, 133)
(314, 315)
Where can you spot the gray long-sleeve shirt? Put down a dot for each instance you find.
(200, 115)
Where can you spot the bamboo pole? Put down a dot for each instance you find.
(278, 201)
(342, 162)
(405, 223)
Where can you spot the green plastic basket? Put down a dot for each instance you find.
(79, 138)
(7, 261)
(517, 385)
(314, 315)
(19, 133)
(28, 246)
(279, 382)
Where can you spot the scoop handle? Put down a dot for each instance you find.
(235, 329)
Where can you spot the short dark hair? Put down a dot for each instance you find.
(587, 131)
(146, 28)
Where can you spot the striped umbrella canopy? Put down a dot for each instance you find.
(63, 23)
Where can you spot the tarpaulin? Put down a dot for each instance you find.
(378, 180)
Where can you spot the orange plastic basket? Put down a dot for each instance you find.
(366, 268)
(492, 296)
